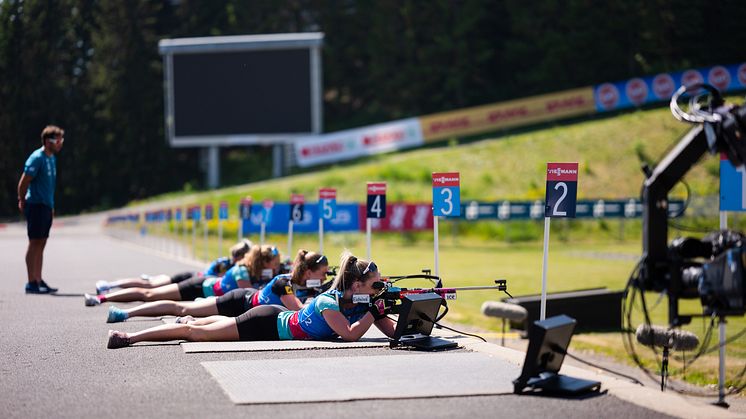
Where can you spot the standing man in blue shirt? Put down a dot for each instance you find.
(36, 202)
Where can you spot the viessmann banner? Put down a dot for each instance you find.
(354, 143)
(502, 115)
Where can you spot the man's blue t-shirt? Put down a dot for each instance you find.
(43, 170)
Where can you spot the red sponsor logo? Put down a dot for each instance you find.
(383, 138)
(565, 103)
(637, 91)
(742, 74)
(690, 78)
(327, 193)
(562, 171)
(322, 149)
(608, 96)
(505, 114)
(663, 86)
(268, 203)
(297, 198)
(224, 204)
(719, 77)
(376, 188)
(450, 124)
(446, 179)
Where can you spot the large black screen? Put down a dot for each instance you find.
(243, 92)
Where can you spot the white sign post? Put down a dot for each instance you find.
(375, 208)
(244, 214)
(327, 211)
(561, 196)
(267, 205)
(209, 215)
(195, 211)
(222, 216)
(446, 203)
(296, 215)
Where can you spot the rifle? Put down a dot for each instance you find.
(392, 294)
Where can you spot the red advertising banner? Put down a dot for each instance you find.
(567, 172)
(401, 217)
(297, 199)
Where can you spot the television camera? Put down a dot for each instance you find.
(710, 268)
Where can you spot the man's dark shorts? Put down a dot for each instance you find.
(39, 218)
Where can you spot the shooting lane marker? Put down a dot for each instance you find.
(296, 215)
(244, 214)
(222, 216)
(180, 228)
(561, 196)
(446, 203)
(195, 220)
(267, 205)
(327, 211)
(209, 214)
(375, 208)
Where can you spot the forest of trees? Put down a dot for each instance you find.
(93, 68)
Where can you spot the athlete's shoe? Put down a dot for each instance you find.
(91, 300)
(102, 287)
(184, 319)
(43, 284)
(34, 288)
(116, 315)
(116, 340)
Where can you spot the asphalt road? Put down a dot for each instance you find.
(54, 361)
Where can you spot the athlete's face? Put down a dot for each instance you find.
(54, 144)
(366, 287)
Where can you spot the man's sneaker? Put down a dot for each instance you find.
(43, 284)
(91, 300)
(34, 288)
(102, 287)
(116, 315)
(116, 340)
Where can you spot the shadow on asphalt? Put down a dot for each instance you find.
(584, 396)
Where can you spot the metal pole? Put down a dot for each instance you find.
(721, 372)
(194, 239)
(367, 235)
(261, 234)
(435, 244)
(290, 237)
(204, 229)
(543, 314)
(321, 235)
(220, 238)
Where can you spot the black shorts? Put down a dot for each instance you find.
(182, 277)
(259, 323)
(39, 220)
(235, 302)
(191, 289)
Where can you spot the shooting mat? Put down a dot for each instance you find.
(373, 338)
(384, 377)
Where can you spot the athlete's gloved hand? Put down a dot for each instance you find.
(377, 307)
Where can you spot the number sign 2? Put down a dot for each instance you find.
(562, 190)
(296, 207)
(376, 206)
(327, 203)
(446, 194)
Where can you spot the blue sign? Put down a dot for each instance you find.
(346, 218)
(328, 203)
(209, 212)
(562, 190)
(196, 213)
(223, 211)
(446, 194)
(732, 184)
